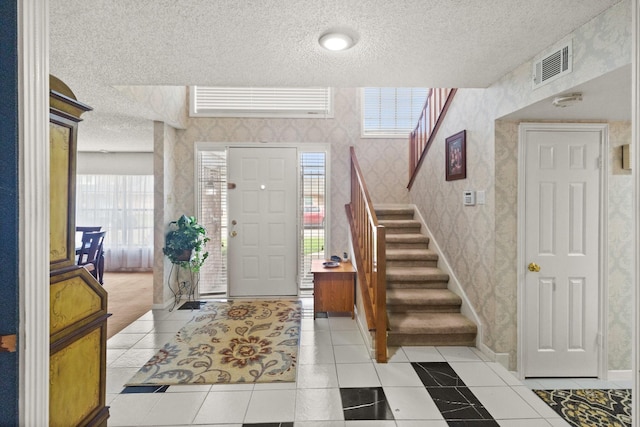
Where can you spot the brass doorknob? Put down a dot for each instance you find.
(234, 233)
(534, 267)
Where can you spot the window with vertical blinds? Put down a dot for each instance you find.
(260, 102)
(212, 214)
(391, 112)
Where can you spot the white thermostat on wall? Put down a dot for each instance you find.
(468, 197)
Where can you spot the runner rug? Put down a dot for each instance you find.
(590, 407)
(235, 341)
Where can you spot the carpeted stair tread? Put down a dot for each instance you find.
(400, 223)
(393, 209)
(431, 323)
(416, 274)
(411, 254)
(407, 238)
(423, 297)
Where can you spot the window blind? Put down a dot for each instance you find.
(212, 214)
(207, 101)
(391, 112)
(313, 212)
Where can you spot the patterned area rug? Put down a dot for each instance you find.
(590, 407)
(237, 341)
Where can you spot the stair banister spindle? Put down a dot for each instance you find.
(435, 108)
(369, 254)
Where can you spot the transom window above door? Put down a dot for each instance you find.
(312, 102)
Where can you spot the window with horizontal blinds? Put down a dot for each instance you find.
(312, 212)
(391, 112)
(207, 101)
(212, 214)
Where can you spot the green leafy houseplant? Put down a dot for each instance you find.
(184, 243)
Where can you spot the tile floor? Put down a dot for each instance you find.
(338, 385)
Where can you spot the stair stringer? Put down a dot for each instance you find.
(454, 284)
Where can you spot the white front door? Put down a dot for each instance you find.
(562, 232)
(262, 244)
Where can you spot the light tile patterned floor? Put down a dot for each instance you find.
(334, 374)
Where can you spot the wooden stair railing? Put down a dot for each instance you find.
(422, 136)
(369, 254)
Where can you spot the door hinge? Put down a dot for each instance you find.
(599, 339)
(599, 162)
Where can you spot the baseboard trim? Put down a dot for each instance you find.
(164, 306)
(620, 375)
(501, 358)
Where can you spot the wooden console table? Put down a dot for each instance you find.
(333, 288)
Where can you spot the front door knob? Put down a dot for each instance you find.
(534, 267)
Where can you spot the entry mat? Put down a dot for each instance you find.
(590, 407)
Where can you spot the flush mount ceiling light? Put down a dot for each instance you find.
(567, 100)
(336, 41)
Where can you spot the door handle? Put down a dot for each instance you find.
(234, 233)
(533, 267)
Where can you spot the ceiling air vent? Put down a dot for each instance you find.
(552, 66)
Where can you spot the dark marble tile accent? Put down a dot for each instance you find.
(145, 389)
(437, 374)
(473, 423)
(369, 403)
(322, 315)
(458, 403)
(192, 305)
(287, 424)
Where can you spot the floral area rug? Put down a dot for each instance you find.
(590, 407)
(236, 341)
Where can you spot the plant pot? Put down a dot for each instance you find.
(185, 255)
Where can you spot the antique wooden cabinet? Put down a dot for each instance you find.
(78, 306)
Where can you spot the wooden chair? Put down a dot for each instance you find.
(90, 229)
(89, 253)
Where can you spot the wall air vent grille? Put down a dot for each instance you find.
(553, 65)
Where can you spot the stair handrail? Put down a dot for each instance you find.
(420, 139)
(369, 254)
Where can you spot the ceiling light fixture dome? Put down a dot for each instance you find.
(567, 100)
(336, 41)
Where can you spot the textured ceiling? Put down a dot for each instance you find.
(432, 43)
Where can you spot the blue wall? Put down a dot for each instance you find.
(9, 207)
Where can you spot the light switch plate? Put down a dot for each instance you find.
(480, 197)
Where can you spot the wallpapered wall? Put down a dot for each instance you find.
(382, 160)
(480, 241)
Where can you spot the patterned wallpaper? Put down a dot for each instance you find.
(480, 241)
(621, 249)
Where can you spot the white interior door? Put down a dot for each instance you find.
(262, 245)
(561, 300)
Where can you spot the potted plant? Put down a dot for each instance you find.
(184, 243)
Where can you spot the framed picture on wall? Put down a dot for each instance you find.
(456, 156)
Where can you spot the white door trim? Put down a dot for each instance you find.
(33, 104)
(302, 147)
(602, 232)
(635, 143)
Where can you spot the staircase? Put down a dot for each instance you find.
(420, 308)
